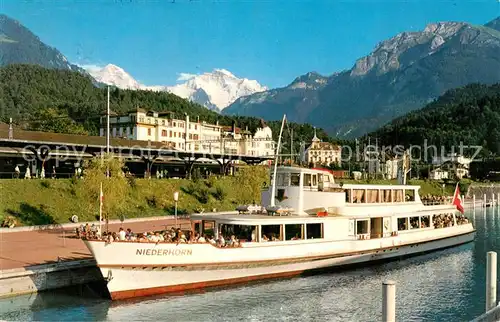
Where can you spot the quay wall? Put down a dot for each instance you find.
(19, 281)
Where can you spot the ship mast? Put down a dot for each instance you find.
(273, 183)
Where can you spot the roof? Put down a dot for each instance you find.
(321, 146)
(68, 139)
(251, 219)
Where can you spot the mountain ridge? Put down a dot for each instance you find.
(401, 74)
(18, 44)
(215, 90)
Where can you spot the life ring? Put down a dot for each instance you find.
(74, 218)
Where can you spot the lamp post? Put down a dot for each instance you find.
(176, 198)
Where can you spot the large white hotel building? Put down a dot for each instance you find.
(186, 135)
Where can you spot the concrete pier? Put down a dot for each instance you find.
(42, 258)
(19, 281)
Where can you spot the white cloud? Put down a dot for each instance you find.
(91, 68)
(185, 76)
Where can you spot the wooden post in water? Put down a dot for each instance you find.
(484, 201)
(474, 201)
(491, 280)
(389, 301)
(492, 199)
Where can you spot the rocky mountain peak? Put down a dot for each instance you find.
(494, 24)
(386, 56)
(311, 80)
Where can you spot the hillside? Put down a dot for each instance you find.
(67, 102)
(401, 74)
(19, 45)
(470, 115)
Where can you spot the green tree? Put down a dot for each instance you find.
(115, 187)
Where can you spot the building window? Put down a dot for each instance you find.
(163, 132)
(170, 134)
(190, 136)
(149, 131)
(141, 119)
(175, 124)
(162, 122)
(175, 134)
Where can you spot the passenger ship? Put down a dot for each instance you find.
(313, 224)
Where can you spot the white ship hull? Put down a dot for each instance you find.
(140, 269)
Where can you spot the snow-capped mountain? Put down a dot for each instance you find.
(218, 88)
(113, 75)
(215, 90)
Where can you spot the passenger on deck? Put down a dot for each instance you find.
(122, 234)
(220, 241)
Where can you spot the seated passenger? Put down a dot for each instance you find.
(264, 238)
(220, 241)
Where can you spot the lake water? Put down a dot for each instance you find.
(448, 285)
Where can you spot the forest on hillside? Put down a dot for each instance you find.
(69, 102)
(470, 115)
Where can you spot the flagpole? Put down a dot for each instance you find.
(100, 210)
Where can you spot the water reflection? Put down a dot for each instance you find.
(446, 285)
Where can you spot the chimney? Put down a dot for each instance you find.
(11, 130)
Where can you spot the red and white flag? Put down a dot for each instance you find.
(457, 201)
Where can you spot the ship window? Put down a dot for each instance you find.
(358, 196)
(293, 232)
(314, 231)
(348, 195)
(295, 179)
(372, 196)
(410, 195)
(241, 232)
(425, 221)
(208, 228)
(307, 179)
(280, 179)
(398, 195)
(387, 195)
(402, 223)
(361, 227)
(414, 222)
(314, 180)
(271, 232)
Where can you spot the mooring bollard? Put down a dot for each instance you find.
(389, 301)
(491, 280)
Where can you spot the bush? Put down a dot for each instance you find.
(219, 192)
(45, 183)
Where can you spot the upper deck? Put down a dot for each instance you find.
(307, 190)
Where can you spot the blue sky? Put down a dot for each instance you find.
(270, 41)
